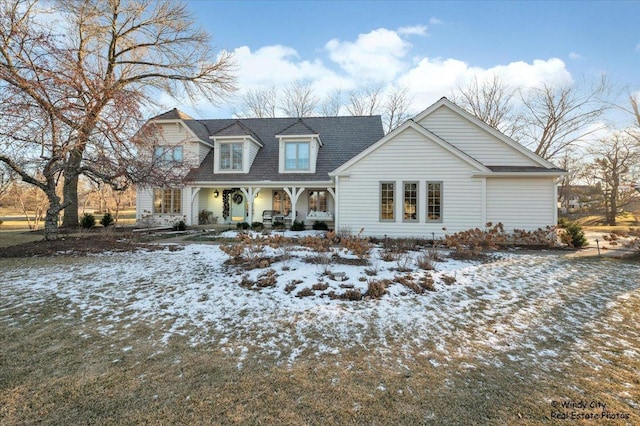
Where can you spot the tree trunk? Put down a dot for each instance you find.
(613, 207)
(51, 218)
(70, 190)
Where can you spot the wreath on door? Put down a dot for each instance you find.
(237, 198)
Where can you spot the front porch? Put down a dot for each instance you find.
(230, 205)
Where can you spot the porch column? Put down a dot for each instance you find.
(194, 193)
(293, 194)
(250, 193)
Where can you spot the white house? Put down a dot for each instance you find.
(440, 172)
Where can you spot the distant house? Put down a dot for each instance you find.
(442, 171)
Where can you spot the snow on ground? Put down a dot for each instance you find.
(525, 306)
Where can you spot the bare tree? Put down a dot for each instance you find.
(298, 100)
(84, 84)
(31, 201)
(491, 101)
(634, 106)
(260, 103)
(575, 168)
(613, 158)
(365, 101)
(555, 118)
(395, 108)
(332, 104)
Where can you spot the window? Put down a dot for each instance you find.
(387, 201)
(167, 201)
(434, 201)
(281, 202)
(318, 201)
(231, 156)
(166, 155)
(296, 156)
(410, 205)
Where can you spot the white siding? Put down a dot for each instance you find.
(144, 209)
(253, 151)
(524, 203)
(176, 134)
(473, 140)
(203, 150)
(409, 156)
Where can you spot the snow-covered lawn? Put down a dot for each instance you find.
(513, 303)
(528, 329)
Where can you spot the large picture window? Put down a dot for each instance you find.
(387, 201)
(296, 156)
(230, 156)
(434, 201)
(281, 202)
(166, 155)
(167, 201)
(410, 202)
(318, 201)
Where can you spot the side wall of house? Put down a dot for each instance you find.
(409, 157)
(521, 203)
(473, 140)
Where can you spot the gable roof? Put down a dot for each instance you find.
(342, 139)
(544, 167)
(423, 131)
(461, 112)
(237, 129)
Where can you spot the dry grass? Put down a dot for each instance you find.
(12, 238)
(53, 376)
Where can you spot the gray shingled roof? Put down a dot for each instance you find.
(342, 139)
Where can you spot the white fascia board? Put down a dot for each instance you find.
(548, 174)
(239, 138)
(484, 126)
(306, 137)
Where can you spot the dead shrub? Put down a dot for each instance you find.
(474, 242)
(292, 285)
(376, 288)
(268, 278)
(320, 286)
(448, 279)
(305, 292)
(424, 261)
(353, 295)
(409, 282)
(426, 283)
(403, 262)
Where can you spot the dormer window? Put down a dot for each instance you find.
(297, 156)
(231, 156)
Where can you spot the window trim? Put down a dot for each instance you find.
(441, 196)
(297, 157)
(230, 168)
(380, 199)
(416, 201)
(175, 194)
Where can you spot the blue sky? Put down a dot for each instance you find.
(429, 47)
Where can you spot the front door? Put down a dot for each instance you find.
(238, 207)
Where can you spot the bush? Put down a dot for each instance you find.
(180, 226)
(376, 289)
(278, 224)
(574, 236)
(320, 226)
(297, 226)
(257, 226)
(242, 226)
(88, 221)
(107, 220)
(0, 221)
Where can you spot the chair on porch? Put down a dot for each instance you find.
(267, 217)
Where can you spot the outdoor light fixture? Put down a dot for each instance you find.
(216, 194)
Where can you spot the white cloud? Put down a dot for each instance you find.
(574, 55)
(435, 21)
(638, 47)
(413, 30)
(377, 55)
